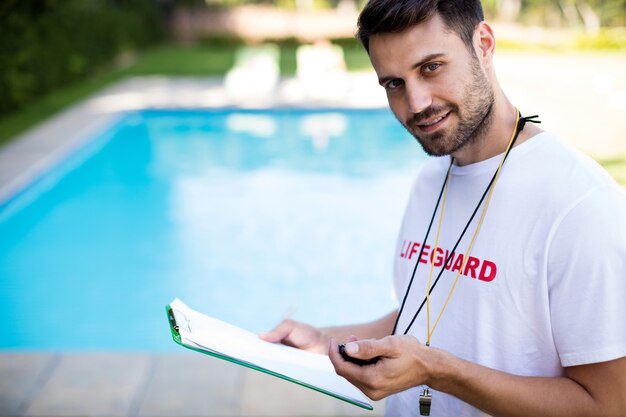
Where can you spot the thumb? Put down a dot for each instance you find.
(370, 348)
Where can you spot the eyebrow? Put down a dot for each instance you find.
(424, 60)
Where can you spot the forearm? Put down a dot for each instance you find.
(505, 395)
(376, 329)
(596, 389)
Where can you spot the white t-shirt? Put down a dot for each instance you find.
(544, 286)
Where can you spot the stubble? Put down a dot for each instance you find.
(474, 113)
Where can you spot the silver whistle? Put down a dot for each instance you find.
(425, 401)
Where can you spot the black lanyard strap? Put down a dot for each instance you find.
(520, 127)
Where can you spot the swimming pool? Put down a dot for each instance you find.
(243, 214)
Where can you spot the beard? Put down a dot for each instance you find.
(474, 119)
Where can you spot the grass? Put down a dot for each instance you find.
(162, 60)
(606, 40)
(18, 122)
(616, 166)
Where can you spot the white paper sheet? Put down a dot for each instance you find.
(313, 370)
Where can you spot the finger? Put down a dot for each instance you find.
(280, 332)
(335, 357)
(368, 349)
(359, 376)
(341, 365)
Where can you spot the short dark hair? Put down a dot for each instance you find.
(395, 16)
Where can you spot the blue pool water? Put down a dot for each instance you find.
(241, 214)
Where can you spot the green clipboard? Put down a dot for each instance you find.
(357, 400)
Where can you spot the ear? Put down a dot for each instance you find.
(484, 43)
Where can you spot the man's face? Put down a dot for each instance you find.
(435, 86)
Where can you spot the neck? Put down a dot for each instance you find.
(494, 140)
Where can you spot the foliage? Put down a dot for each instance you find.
(611, 12)
(168, 60)
(571, 12)
(550, 12)
(605, 39)
(283, 4)
(45, 44)
(616, 166)
(163, 60)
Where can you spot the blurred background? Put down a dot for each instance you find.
(563, 59)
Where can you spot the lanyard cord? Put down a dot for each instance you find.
(520, 123)
(406, 294)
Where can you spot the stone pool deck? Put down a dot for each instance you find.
(148, 385)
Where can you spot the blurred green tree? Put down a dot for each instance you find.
(591, 14)
(45, 44)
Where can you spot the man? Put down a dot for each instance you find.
(527, 318)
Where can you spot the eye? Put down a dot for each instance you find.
(432, 67)
(394, 84)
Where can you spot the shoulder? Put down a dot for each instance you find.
(588, 209)
(572, 186)
(560, 174)
(552, 156)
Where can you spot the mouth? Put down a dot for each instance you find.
(433, 124)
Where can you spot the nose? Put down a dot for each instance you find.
(418, 97)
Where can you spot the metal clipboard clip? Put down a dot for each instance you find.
(181, 321)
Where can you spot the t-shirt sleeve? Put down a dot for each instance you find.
(587, 279)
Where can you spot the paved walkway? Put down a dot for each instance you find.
(173, 385)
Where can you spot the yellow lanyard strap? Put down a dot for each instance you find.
(469, 249)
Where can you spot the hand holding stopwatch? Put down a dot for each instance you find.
(357, 361)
